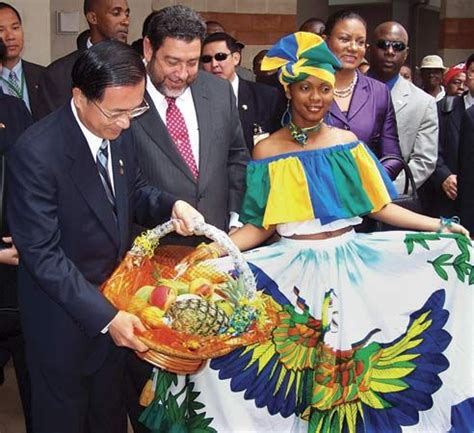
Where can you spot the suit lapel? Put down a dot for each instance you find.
(85, 176)
(359, 98)
(154, 126)
(201, 104)
(400, 94)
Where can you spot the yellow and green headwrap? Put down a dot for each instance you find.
(299, 55)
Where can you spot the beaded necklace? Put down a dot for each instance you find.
(300, 135)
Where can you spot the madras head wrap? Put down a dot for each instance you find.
(300, 55)
(453, 71)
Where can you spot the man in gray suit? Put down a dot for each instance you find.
(190, 142)
(415, 110)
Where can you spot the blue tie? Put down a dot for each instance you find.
(102, 163)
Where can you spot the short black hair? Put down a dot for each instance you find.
(107, 64)
(311, 21)
(341, 15)
(178, 22)
(232, 43)
(146, 23)
(4, 5)
(3, 50)
(469, 60)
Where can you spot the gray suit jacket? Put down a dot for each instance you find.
(417, 123)
(222, 152)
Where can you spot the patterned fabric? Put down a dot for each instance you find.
(102, 166)
(14, 87)
(374, 336)
(179, 133)
(299, 55)
(329, 184)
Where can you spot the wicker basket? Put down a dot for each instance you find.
(171, 349)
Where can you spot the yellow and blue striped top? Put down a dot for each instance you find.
(328, 184)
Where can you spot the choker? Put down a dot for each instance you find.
(344, 93)
(300, 135)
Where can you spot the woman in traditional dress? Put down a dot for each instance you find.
(361, 104)
(374, 330)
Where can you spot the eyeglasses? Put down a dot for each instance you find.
(219, 57)
(131, 114)
(397, 46)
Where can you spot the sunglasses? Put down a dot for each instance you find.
(397, 46)
(219, 57)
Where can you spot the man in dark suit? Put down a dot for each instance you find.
(440, 194)
(465, 200)
(260, 106)
(19, 78)
(190, 142)
(76, 191)
(107, 19)
(14, 119)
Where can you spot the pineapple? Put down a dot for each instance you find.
(197, 316)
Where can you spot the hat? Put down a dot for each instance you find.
(432, 62)
(300, 55)
(453, 71)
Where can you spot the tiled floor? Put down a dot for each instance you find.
(11, 413)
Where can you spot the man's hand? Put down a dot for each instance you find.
(122, 330)
(9, 256)
(450, 186)
(185, 218)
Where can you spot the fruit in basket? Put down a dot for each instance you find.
(226, 307)
(136, 305)
(144, 292)
(202, 287)
(197, 316)
(180, 287)
(152, 316)
(162, 297)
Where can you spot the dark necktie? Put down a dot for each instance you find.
(102, 167)
(179, 133)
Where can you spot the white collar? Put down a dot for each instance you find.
(93, 140)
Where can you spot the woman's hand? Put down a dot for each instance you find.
(447, 225)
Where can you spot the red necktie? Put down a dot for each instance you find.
(179, 133)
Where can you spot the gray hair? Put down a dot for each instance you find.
(178, 22)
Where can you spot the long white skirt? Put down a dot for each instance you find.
(376, 335)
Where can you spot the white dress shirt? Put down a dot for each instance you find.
(94, 143)
(235, 87)
(468, 100)
(18, 70)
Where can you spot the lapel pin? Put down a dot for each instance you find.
(121, 167)
(2, 126)
(244, 107)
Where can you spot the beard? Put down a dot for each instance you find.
(159, 81)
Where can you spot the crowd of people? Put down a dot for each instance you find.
(301, 155)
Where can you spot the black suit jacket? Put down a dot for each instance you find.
(14, 119)
(57, 85)
(67, 238)
(466, 170)
(34, 82)
(260, 106)
(434, 200)
(222, 153)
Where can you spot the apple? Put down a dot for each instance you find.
(162, 297)
(144, 292)
(202, 287)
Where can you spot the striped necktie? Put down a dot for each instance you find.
(14, 85)
(102, 167)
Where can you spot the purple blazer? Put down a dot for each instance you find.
(372, 119)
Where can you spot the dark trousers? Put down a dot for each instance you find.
(68, 400)
(137, 374)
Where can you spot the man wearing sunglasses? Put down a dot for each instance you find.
(415, 110)
(260, 106)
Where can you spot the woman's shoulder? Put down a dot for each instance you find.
(276, 144)
(341, 136)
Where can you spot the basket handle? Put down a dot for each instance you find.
(153, 237)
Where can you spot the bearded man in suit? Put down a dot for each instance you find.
(190, 142)
(75, 192)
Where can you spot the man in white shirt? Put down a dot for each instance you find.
(75, 192)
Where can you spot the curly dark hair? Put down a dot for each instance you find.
(342, 15)
(178, 22)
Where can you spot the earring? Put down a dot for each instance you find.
(286, 118)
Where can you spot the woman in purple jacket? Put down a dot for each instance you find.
(361, 104)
